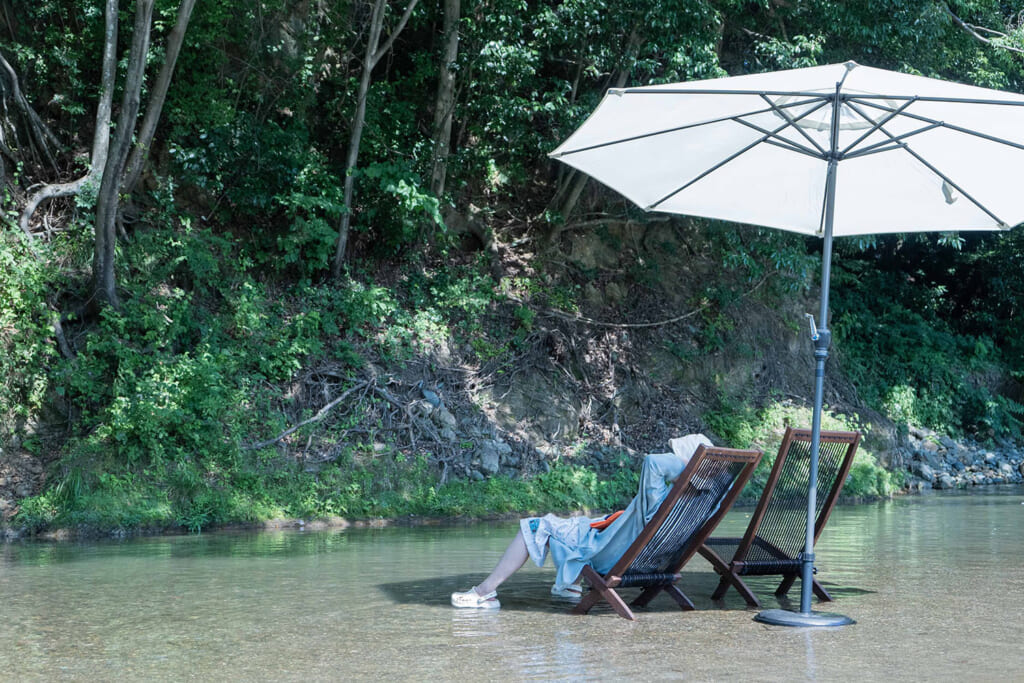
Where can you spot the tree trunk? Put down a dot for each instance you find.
(374, 51)
(445, 102)
(356, 134)
(104, 283)
(101, 136)
(568, 195)
(140, 151)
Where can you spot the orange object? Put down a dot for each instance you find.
(601, 524)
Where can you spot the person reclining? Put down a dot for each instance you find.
(578, 541)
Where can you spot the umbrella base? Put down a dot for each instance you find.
(782, 617)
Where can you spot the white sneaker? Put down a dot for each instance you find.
(573, 593)
(473, 600)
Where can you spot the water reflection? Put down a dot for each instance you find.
(933, 582)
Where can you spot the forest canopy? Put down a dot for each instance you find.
(215, 210)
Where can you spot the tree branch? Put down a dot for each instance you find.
(316, 418)
(974, 31)
(383, 49)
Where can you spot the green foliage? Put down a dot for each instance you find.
(742, 426)
(221, 272)
(27, 347)
(906, 356)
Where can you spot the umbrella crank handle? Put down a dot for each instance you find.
(822, 338)
(814, 330)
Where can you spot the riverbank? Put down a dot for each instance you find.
(935, 461)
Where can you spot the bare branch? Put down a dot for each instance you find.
(321, 414)
(383, 50)
(974, 31)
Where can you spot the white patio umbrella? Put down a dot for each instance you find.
(831, 150)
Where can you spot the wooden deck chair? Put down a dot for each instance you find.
(777, 532)
(694, 506)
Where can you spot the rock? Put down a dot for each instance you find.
(490, 459)
(449, 435)
(945, 482)
(990, 458)
(922, 470)
(915, 484)
(929, 446)
(1005, 469)
(947, 443)
(23, 491)
(444, 418)
(1021, 468)
(421, 408)
(476, 475)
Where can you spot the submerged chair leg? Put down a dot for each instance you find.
(790, 579)
(600, 590)
(820, 591)
(729, 578)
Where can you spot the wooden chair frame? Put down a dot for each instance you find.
(602, 587)
(732, 570)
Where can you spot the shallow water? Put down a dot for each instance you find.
(935, 582)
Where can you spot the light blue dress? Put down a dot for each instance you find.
(573, 544)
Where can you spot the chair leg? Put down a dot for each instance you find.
(787, 583)
(646, 596)
(729, 578)
(732, 579)
(680, 598)
(599, 590)
(820, 591)
(790, 579)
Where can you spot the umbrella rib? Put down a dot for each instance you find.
(888, 145)
(875, 125)
(793, 122)
(939, 173)
(676, 129)
(949, 100)
(949, 126)
(771, 139)
(647, 90)
(714, 168)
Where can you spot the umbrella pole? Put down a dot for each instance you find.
(822, 339)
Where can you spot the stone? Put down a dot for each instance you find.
(1005, 469)
(449, 435)
(923, 470)
(490, 459)
(444, 418)
(945, 482)
(421, 408)
(476, 475)
(915, 484)
(947, 443)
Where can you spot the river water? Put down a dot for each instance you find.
(935, 582)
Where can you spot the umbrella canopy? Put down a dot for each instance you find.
(831, 150)
(915, 153)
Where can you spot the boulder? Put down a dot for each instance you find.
(922, 470)
(444, 418)
(490, 459)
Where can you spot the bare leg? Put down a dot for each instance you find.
(515, 557)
